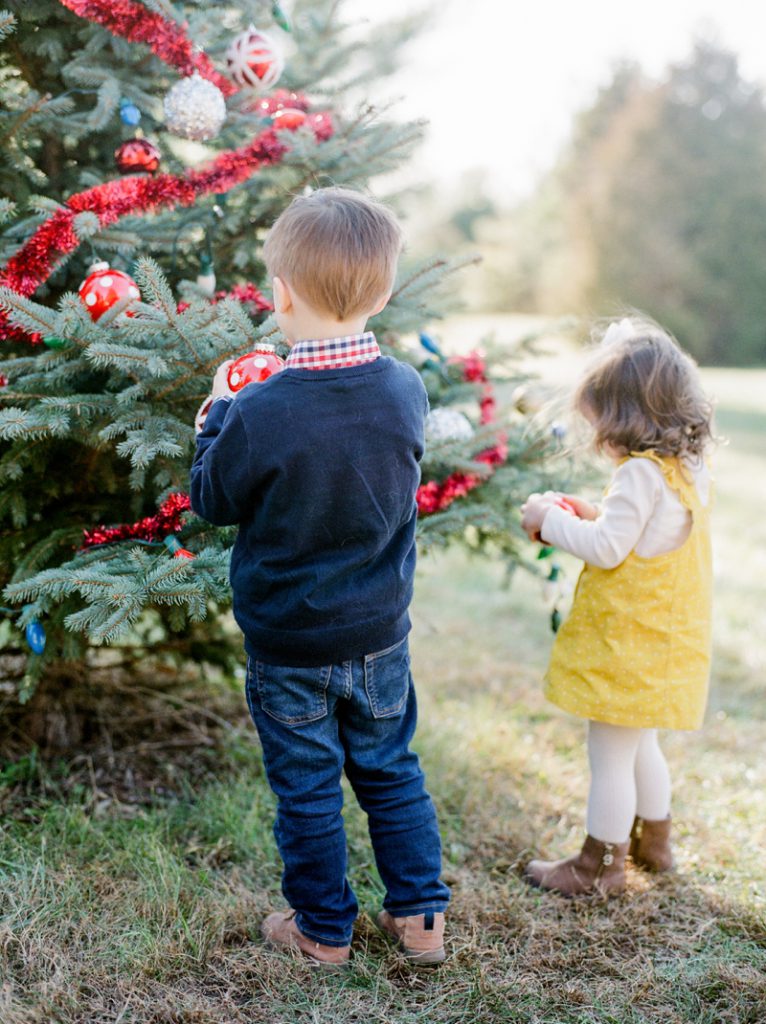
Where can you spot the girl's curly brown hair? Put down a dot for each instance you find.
(641, 392)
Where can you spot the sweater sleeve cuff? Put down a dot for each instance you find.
(217, 413)
(551, 531)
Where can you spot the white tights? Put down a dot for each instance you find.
(629, 776)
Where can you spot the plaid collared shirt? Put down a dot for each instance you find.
(330, 353)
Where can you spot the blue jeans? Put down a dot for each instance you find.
(359, 716)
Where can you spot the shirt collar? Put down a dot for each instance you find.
(331, 353)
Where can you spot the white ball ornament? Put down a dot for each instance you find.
(448, 425)
(195, 108)
(255, 59)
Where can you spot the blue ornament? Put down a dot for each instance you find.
(35, 635)
(559, 431)
(430, 345)
(129, 113)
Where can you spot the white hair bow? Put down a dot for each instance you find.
(618, 331)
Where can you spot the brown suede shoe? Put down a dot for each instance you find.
(650, 844)
(597, 868)
(420, 937)
(280, 929)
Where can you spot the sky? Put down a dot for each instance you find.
(500, 81)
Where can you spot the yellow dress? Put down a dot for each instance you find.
(635, 648)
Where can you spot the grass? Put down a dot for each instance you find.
(118, 911)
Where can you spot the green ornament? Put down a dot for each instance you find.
(53, 342)
(280, 17)
(545, 552)
(555, 620)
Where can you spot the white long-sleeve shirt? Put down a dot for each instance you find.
(640, 513)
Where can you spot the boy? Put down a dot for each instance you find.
(319, 467)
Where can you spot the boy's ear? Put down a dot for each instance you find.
(283, 300)
(381, 303)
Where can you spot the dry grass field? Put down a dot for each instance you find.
(146, 911)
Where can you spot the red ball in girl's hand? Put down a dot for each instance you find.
(562, 502)
(254, 367)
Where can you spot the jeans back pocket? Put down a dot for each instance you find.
(387, 679)
(292, 696)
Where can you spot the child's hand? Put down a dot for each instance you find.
(221, 387)
(583, 509)
(533, 512)
(199, 419)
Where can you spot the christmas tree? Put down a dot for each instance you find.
(147, 147)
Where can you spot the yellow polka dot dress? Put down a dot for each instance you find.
(635, 649)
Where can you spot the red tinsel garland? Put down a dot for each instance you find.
(168, 519)
(434, 496)
(249, 294)
(431, 497)
(166, 39)
(134, 194)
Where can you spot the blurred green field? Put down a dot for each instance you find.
(150, 913)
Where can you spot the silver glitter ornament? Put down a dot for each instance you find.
(448, 425)
(195, 108)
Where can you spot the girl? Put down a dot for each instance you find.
(634, 654)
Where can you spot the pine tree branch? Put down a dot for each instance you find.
(24, 117)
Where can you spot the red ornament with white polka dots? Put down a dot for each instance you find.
(254, 367)
(103, 287)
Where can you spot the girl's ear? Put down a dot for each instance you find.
(283, 300)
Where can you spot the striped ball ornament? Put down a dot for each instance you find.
(255, 59)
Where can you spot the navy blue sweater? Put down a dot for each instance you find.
(319, 468)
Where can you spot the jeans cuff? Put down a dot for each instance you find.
(437, 906)
(316, 937)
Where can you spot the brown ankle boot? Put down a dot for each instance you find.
(279, 929)
(650, 844)
(597, 868)
(419, 936)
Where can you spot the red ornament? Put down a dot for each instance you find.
(255, 59)
(254, 367)
(289, 118)
(104, 287)
(183, 553)
(267, 106)
(322, 126)
(137, 156)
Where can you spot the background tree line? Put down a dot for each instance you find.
(657, 202)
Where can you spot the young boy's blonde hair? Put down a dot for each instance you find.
(338, 249)
(640, 391)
